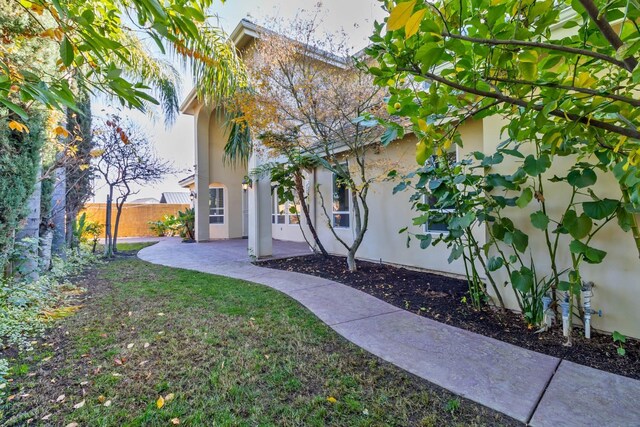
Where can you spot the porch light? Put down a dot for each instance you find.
(192, 195)
(246, 183)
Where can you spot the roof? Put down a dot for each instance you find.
(175, 198)
(144, 200)
(187, 181)
(241, 36)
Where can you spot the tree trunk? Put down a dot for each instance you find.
(59, 210)
(108, 244)
(305, 209)
(351, 261)
(29, 235)
(117, 224)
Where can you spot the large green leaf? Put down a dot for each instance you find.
(525, 198)
(535, 167)
(600, 209)
(522, 279)
(66, 52)
(591, 255)
(494, 263)
(540, 220)
(583, 179)
(578, 227)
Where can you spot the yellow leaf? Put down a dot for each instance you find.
(160, 402)
(422, 124)
(83, 167)
(175, 421)
(60, 131)
(18, 127)
(413, 24)
(331, 399)
(400, 15)
(96, 152)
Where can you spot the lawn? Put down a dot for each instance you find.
(157, 346)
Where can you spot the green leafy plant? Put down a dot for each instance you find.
(186, 221)
(619, 340)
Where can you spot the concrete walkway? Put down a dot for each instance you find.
(534, 388)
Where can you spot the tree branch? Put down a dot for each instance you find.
(548, 46)
(610, 127)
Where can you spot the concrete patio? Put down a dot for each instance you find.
(533, 388)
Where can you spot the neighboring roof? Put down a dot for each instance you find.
(144, 201)
(175, 198)
(187, 181)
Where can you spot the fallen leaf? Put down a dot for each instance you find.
(72, 425)
(107, 403)
(79, 405)
(331, 399)
(160, 314)
(144, 362)
(2, 385)
(117, 361)
(146, 345)
(115, 374)
(25, 395)
(169, 397)
(130, 345)
(60, 398)
(13, 396)
(130, 314)
(46, 417)
(175, 421)
(101, 399)
(266, 356)
(84, 383)
(160, 402)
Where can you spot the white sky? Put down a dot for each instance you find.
(355, 17)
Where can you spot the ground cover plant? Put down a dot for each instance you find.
(155, 346)
(448, 300)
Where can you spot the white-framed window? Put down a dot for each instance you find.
(284, 212)
(341, 206)
(439, 216)
(216, 205)
(278, 209)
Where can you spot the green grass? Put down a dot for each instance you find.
(232, 353)
(133, 247)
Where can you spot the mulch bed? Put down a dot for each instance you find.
(442, 298)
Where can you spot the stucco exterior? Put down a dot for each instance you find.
(250, 213)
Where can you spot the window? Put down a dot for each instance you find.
(216, 205)
(278, 210)
(439, 216)
(341, 203)
(294, 211)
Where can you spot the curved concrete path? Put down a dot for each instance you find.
(533, 388)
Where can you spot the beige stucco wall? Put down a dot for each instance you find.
(228, 177)
(390, 212)
(616, 278)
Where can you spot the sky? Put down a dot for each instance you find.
(355, 17)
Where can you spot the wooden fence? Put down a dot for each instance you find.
(134, 221)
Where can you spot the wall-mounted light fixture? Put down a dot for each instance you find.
(193, 195)
(246, 183)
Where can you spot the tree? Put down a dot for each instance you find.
(123, 156)
(77, 160)
(289, 177)
(101, 46)
(313, 89)
(564, 78)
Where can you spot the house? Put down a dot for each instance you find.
(226, 210)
